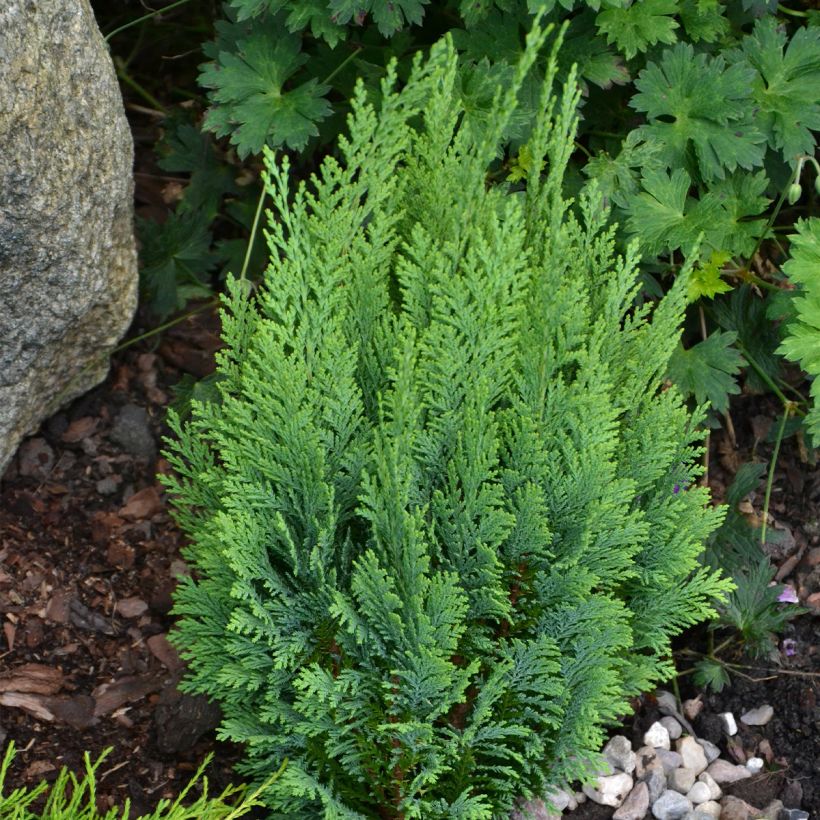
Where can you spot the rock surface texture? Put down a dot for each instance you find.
(68, 274)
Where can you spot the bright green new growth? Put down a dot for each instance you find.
(73, 798)
(802, 342)
(438, 517)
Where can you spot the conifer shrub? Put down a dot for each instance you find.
(442, 517)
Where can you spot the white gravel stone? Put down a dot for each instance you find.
(758, 717)
(724, 772)
(657, 736)
(729, 723)
(672, 726)
(671, 805)
(610, 790)
(699, 793)
(669, 760)
(558, 799)
(656, 783)
(715, 792)
(754, 764)
(712, 752)
(618, 752)
(711, 807)
(692, 753)
(681, 780)
(636, 804)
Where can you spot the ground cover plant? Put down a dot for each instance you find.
(443, 516)
(74, 798)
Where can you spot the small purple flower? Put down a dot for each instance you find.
(676, 489)
(789, 647)
(788, 595)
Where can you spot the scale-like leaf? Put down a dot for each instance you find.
(802, 344)
(696, 103)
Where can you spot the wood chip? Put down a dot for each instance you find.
(131, 607)
(79, 429)
(33, 704)
(162, 649)
(111, 696)
(35, 678)
(77, 711)
(143, 504)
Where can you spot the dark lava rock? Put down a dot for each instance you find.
(132, 432)
(181, 719)
(708, 725)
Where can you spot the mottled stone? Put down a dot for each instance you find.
(533, 810)
(68, 274)
(671, 805)
(672, 726)
(733, 808)
(657, 736)
(692, 753)
(656, 783)
(699, 793)
(681, 780)
(609, 790)
(645, 757)
(715, 792)
(669, 760)
(618, 752)
(636, 804)
(711, 751)
(759, 716)
(711, 807)
(724, 772)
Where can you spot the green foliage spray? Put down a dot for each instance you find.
(439, 516)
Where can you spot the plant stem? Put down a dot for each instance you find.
(341, 65)
(252, 237)
(126, 78)
(148, 16)
(770, 479)
(165, 326)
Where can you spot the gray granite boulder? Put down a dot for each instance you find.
(68, 272)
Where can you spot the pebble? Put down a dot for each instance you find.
(692, 753)
(711, 751)
(710, 808)
(681, 780)
(754, 764)
(772, 811)
(619, 753)
(715, 792)
(644, 758)
(533, 810)
(724, 772)
(672, 726)
(558, 799)
(758, 717)
(657, 736)
(610, 790)
(733, 808)
(699, 793)
(697, 814)
(669, 760)
(729, 723)
(671, 805)
(666, 702)
(656, 783)
(636, 804)
(35, 458)
(692, 708)
(132, 431)
(793, 814)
